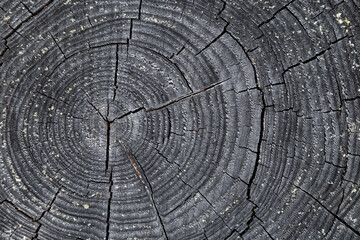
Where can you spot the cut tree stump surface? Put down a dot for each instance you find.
(162, 119)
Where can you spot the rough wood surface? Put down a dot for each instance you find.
(165, 119)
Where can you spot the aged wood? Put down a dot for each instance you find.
(161, 119)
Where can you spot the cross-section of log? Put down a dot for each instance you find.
(162, 119)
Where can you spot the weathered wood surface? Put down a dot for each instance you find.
(195, 119)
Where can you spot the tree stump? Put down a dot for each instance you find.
(160, 119)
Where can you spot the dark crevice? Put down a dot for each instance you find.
(140, 6)
(97, 110)
(47, 96)
(335, 5)
(140, 171)
(214, 40)
(249, 149)
(337, 166)
(315, 56)
(265, 229)
(180, 50)
(183, 77)
(235, 178)
(127, 46)
(169, 123)
(109, 206)
(89, 21)
(261, 133)
(166, 159)
(177, 134)
(57, 44)
(241, 91)
(275, 13)
(260, 36)
(5, 49)
(337, 212)
(131, 28)
(18, 209)
(234, 231)
(353, 154)
(15, 31)
(251, 50)
(43, 213)
(275, 55)
(52, 98)
(133, 163)
(351, 99)
(27, 8)
(107, 109)
(252, 217)
(108, 131)
(49, 205)
(107, 153)
(116, 71)
(176, 208)
(186, 96)
(275, 84)
(127, 114)
(338, 86)
(222, 9)
(108, 128)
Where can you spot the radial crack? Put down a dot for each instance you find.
(298, 20)
(140, 6)
(127, 114)
(107, 153)
(166, 159)
(57, 44)
(116, 71)
(186, 96)
(52, 98)
(266, 231)
(337, 211)
(43, 213)
(18, 209)
(275, 13)
(97, 110)
(109, 206)
(147, 185)
(222, 9)
(214, 40)
(315, 56)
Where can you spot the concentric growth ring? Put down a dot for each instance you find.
(179, 120)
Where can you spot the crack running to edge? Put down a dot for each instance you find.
(109, 206)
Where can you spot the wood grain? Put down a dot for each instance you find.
(161, 119)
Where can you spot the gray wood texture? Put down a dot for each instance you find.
(167, 119)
